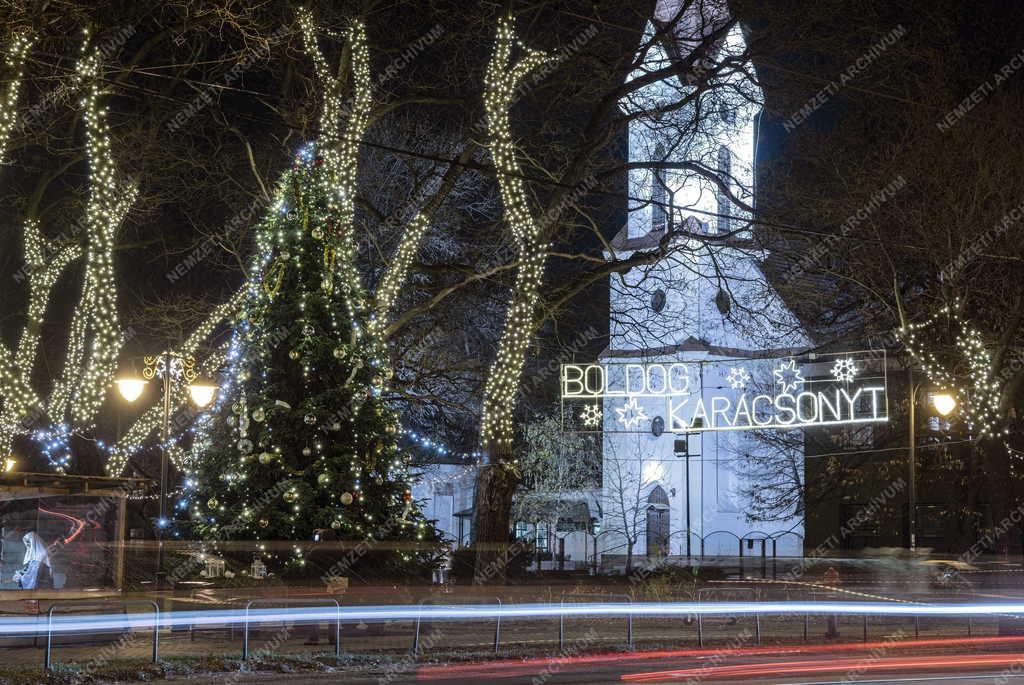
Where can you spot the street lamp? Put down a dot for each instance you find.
(945, 404)
(131, 388)
(202, 394)
(171, 368)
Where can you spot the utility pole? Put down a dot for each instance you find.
(912, 461)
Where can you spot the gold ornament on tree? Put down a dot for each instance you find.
(275, 278)
(330, 262)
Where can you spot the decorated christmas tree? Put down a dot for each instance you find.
(302, 445)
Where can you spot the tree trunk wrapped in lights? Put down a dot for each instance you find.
(95, 335)
(496, 482)
(339, 146)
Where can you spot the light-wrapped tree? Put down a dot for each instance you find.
(95, 336)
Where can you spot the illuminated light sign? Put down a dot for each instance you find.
(726, 395)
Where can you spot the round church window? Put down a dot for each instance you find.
(657, 426)
(723, 302)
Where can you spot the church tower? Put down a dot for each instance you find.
(699, 313)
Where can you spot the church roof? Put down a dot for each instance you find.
(691, 29)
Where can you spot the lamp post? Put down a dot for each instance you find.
(171, 368)
(945, 403)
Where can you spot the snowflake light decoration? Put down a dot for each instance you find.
(788, 376)
(631, 413)
(738, 378)
(844, 370)
(591, 416)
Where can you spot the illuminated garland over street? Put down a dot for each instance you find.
(502, 80)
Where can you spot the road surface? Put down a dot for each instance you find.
(967, 665)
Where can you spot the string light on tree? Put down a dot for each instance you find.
(980, 396)
(95, 336)
(501, 83)
(14, 61)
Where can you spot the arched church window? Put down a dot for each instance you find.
(657, 522)
(658, 300)
(658, 497)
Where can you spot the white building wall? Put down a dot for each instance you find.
(443, 490)
(695, 281)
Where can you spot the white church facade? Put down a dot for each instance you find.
(675, 470)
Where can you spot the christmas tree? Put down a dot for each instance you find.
(302, 445)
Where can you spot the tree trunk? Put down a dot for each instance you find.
(998, 484)
(492, 502)
(629, 557)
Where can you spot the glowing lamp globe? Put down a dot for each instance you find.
(130, 388)
(944, 403)
(202, 394)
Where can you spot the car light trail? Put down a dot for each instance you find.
(106, 622)
(785, 668)
(508, 669)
